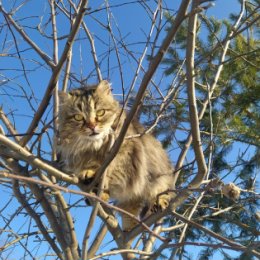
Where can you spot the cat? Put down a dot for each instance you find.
(88, 119)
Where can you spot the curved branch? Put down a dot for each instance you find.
(193, 111)
(34, 161)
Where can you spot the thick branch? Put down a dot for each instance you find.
(143, 225)
(8, 125)
(181, 16)
(34, 161)
(45, 204)
(212, 88)
(97, 241)
(194, 119)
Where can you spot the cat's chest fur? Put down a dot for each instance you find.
(80, 154)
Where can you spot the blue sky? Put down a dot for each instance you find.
(134, 26)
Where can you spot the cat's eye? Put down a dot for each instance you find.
(78, 117)
(100, 112)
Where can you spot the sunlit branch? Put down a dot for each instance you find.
(56, 88)
(120, 251)
(151, 241)
(97, 241)
(211, 90)
(143, 225)
(193, 111)
(8, 125)
(34, 161)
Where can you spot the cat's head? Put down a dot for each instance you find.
(87, 112)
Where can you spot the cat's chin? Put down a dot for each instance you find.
(96, 136)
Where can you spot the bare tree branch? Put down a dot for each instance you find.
(21, 198)
(27, 38)
(194, 120)
(34, 161)
(56, 72)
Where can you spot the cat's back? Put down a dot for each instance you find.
(156, 156)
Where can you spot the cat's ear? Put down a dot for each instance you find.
(63, 97)
(104, 87)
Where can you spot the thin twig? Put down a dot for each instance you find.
(22, 200)
(56, 72)
(215, 235)
(92, 45)
(27, 38)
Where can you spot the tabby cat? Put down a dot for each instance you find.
(89, 117)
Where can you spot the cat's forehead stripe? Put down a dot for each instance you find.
(83, 99)
(80, 101)
(83, 92)
(91, 102)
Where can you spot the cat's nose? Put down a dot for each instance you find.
(91, 125)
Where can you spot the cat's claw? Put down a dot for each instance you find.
(104, 196)
(88, 174)
(161, 204)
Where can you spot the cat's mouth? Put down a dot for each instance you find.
(94, 134)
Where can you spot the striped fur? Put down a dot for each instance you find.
(140, 171)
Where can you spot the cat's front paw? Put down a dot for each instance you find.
(161, 203)
(87, 176)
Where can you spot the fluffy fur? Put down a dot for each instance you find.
(89, 118)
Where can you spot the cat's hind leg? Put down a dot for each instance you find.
(129, 222)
